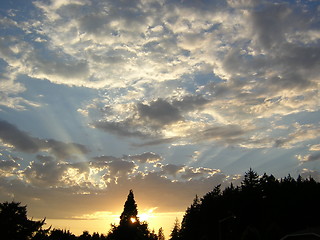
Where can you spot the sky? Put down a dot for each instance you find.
(165, 97)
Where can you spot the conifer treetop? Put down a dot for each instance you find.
(130, 211)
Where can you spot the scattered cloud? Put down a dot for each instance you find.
(147, 157)
(166, 75)
(11, 136)
(172, 169)
(310, 157)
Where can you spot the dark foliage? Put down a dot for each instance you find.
(14, 224)
(175, 233)
(261, 208)
(130, 227)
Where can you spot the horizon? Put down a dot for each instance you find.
(169, 98)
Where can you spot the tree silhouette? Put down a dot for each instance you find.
(58, 234)
(130, 212)
(161, 234)
(130, 228)
(175, 233)
(14, 224)
(262, 207)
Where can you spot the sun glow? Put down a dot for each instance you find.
(133, 220)
(145, 216)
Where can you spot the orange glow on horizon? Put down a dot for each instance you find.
(101, 222)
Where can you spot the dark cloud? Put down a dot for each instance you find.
(123, 129)
(105, 159)
(120, 167)
(159, 113)
(55, 65)
(295, 62)
(65, 150)
(22, 141)
(225, 133)
(190, 103)
(45, 159)
(157, 142)
(117, 167)
(172, 169)
(314, 157)
(146, 121)
(8, 165)
(99, 22)
(270, 23)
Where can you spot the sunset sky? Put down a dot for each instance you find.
(165, 97)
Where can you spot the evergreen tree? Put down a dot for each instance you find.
(262, 208)
(191, 218)
(130, 212)
(14, 224)
(175, 233)
(130, 227)
(251, 180)
(161, 234)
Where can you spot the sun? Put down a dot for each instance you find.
(133, 220)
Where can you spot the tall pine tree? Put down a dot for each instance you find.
(130, 211)
(130, 227)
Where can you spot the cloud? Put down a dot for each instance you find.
(301, 133)
(148, 121)
(227, 134)
(189, 103)
(116, 167)
(147, 157)
(315, 147)
(119, 128)
(309, 158)
(48, 181)
(72, 200)
(49, 172)
(307, 173)
(22, 141)
(8, 168)
(120, 167)
(194, 173)
(158, 113)
(172, 169)
(11, 135)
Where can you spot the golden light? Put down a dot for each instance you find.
(133, 220)
(144, 216)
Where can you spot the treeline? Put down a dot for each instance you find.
(15, 225)
(262, 208)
